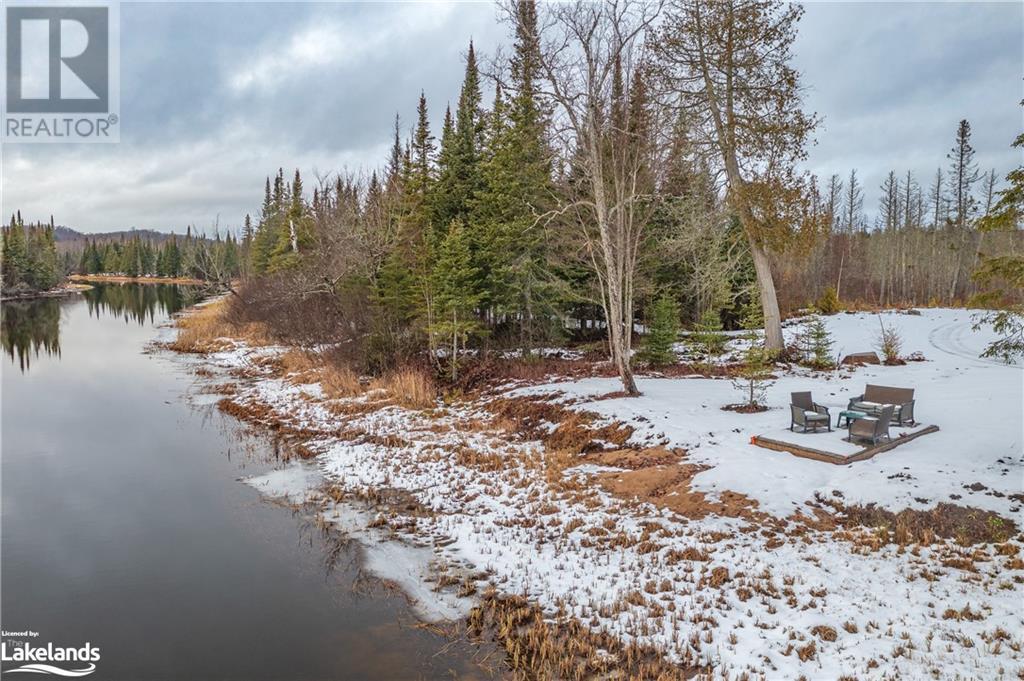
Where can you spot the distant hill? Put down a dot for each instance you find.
(69, 236)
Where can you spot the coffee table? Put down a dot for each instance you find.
(850, 416)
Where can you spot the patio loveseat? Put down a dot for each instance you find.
(877, 397)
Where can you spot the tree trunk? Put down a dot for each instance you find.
(617, 341)
(769, 302)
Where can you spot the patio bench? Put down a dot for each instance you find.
(877, 397)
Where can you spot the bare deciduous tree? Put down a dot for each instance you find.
(591, 60)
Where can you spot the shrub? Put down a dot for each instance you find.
(828, 303)
(888, 342)
(663, 333)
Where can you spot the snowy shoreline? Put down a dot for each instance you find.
(732, 593)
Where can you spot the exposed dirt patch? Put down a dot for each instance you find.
(667, 485)
(635, 459)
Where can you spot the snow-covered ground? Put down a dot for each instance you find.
(978, 405)
(773, 599)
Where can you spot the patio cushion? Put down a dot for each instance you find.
(871, 407)
(815, 416)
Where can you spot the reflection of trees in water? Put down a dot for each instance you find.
(138, 302)
(30, 327)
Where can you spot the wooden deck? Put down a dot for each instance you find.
(838, 459)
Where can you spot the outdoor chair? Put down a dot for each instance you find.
(804, 412)
(872, 429)
(877, 397)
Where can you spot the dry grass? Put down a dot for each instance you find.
(206, 329)
(339, 381)
(409, 387)
(965, 525)
(539, 646)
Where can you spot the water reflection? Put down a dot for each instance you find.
(31, 327)
(139, 303)
(28, 328)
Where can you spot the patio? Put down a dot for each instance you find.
(832, 446)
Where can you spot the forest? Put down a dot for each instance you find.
(28, 257)
(35, 261)
(216, 260)
(623, 166)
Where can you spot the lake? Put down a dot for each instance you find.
(125, 524)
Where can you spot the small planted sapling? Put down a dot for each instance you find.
(817, 345)
(889, 343)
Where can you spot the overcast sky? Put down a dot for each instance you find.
(214, 97)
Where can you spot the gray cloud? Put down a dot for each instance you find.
(893, 80)
(217, 96)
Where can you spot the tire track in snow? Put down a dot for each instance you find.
(949, 338)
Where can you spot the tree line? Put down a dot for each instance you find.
(28, 257)
(633, 152)
(192, 257)
(636, 163)
(923, 247)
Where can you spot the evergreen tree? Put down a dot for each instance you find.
(1003, 273)
(456, 293)
(15, 254)
(516, 188)
(755, 375)
(816, 342)
(295, 233)
(828, 303)
(663, 333)
(707, 338)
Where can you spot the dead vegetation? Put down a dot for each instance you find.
(409, 387)
(965, 525)
(532, 417)
(206, 329)
(561, 647)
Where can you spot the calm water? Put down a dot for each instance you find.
(124, 523)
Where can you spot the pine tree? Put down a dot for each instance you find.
(963, 173)
(663, 333)
(456, 293)
(707, 338)
(516, 188)
(755, 375)
(1004, 273)
(294, 230)
(445, 204)
(828, 303)
(15, 254)
(816, 342)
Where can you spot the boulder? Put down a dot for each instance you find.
(858, 358)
